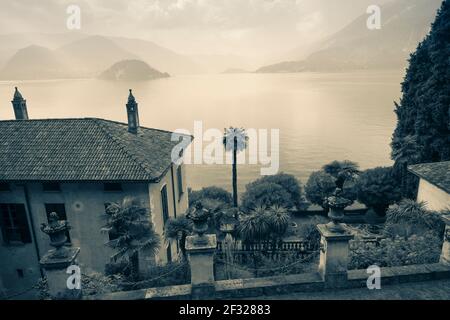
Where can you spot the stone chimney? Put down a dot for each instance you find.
(19, 106)
(133, 114)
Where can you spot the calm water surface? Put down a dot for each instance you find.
(321, 117)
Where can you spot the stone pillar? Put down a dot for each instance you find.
(334, 253)
(200, 252)
(445, 255)
(55, 268)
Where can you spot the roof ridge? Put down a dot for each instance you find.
(122, 146)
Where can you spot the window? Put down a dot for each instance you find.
(112, 187)
(19, 273)
(4, 187)
(60, 210)
(164, 205)
(51, 187)
(14, 223)
(180, 182)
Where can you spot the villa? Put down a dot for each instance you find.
(76, 167)
(434, 185)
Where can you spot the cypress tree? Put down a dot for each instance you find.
(423, 111)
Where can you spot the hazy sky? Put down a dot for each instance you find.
(243, 27)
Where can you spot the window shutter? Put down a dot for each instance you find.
(23, 223)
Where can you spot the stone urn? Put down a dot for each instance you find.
(199, 216)
(337, 203)
(56, 229)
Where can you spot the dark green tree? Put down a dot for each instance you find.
(377, 188)
(423, 111)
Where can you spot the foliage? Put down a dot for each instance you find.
(410, 217)
(378, 188)
(97, 283)
(178, 229)
(290, 184)
(264, 224)
(342, 171)
(130, 222)
(321, 185)
(254, 226)
(423, 113)
(397, 251)
(260, 193)
(308, 231)
(120, 267)
(213, 192)
(43, 289)
(170, 274)
(278, 219)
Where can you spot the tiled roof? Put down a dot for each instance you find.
(437, 173)
(82, 150)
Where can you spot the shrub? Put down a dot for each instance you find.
(97, 283)
(265, 194)
(397, 251)
(214, 193)
(308, 231)
(319, 186)
(378, 188)
(121, 267)
(290, 183)
(254, 226)
(410, 217)
(173, 273)
(281, 189)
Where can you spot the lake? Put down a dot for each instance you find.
(321, 117)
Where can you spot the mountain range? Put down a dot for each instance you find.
(81, 55)
(404, 23)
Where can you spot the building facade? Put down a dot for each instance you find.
(76, 167)
(434, 185)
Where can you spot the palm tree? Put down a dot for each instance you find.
(235, 140)
(254, 226)
(132, 230)
(178, 229)
(279, 219)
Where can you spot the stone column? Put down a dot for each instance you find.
(55, 268)
(445, 255)
(200, 252)
(334, 253)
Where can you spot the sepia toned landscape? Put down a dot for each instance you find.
(211, 150)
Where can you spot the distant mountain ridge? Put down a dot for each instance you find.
(83, 56)
(355, 47)
(132, 70)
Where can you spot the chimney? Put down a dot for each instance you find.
(133, 114)
(19, 106)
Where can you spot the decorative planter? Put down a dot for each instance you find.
(337, 203)
(199, 216)
(56, 229)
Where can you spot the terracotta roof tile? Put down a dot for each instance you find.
(437, 173)
(82, 150)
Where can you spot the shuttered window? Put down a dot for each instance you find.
(14, 223)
